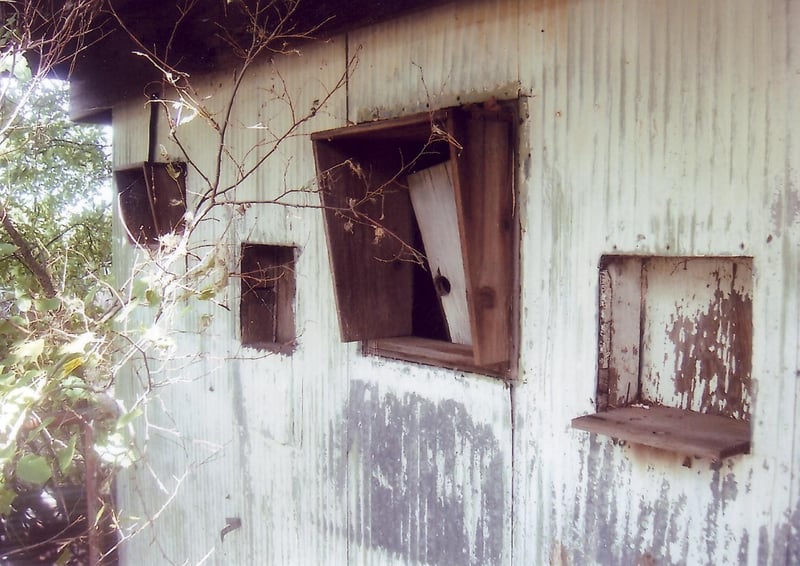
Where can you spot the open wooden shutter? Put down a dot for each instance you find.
(462, 157)
(152, 200)
(485, 203)
(373, 285)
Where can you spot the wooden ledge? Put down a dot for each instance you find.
(432, 352)
(667, 428)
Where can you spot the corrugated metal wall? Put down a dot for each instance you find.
(648, 127)
(656, 128)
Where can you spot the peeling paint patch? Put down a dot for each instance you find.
(784, 549)
(698, 334)
(427, 483)
(713, 354)
(659, 524)
(245, 448)
(785, 209)
(744, 544)
(793, 537)
(600, 519)
(725, 490)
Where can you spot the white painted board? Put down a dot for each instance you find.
(433, 199)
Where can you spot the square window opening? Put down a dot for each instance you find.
(675, 353)
(423, 235)
(267, 297)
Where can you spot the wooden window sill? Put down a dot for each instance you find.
(272, 347)
(667, 428)
(432, 352)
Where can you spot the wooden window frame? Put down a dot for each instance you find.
(268, 290)
(363, 173)
(718, 424)
(152, 200)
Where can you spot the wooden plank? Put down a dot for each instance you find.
(667, 428)
(371, 281)
(485, 202)
(152, 200)
(362, 172)
(436, 350)
(433, 199)
(622, 312)
(166, 185)
(134, 206)
(416, 127)
(433, 352)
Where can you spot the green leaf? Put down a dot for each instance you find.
(128, 418)
(7, 382)
(33, 375)
(78, 346)
(7, 453)
(21, 70)
(66, 454)
(47, 305)
(24, 304)
(72, 365)
(89, 298)
(29, 350)
(207, 294)
(7, 497)
(7, 249)
(56, 187)
(139, 287)
(33, 433)
(33, 469)
(8, 329)
(152, 297)
(64, 558)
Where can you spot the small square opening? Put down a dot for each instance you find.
(675, 353)
(267, 297)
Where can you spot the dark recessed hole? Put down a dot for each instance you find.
(442, 285)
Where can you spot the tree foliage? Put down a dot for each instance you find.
(64, 331)
(58, 425)
(54, 178)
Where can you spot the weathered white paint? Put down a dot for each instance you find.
(656, 127)
(459, 53)
(692, 310)
(434, 200)
(244, 417)
(622, 321)
(648, 127)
